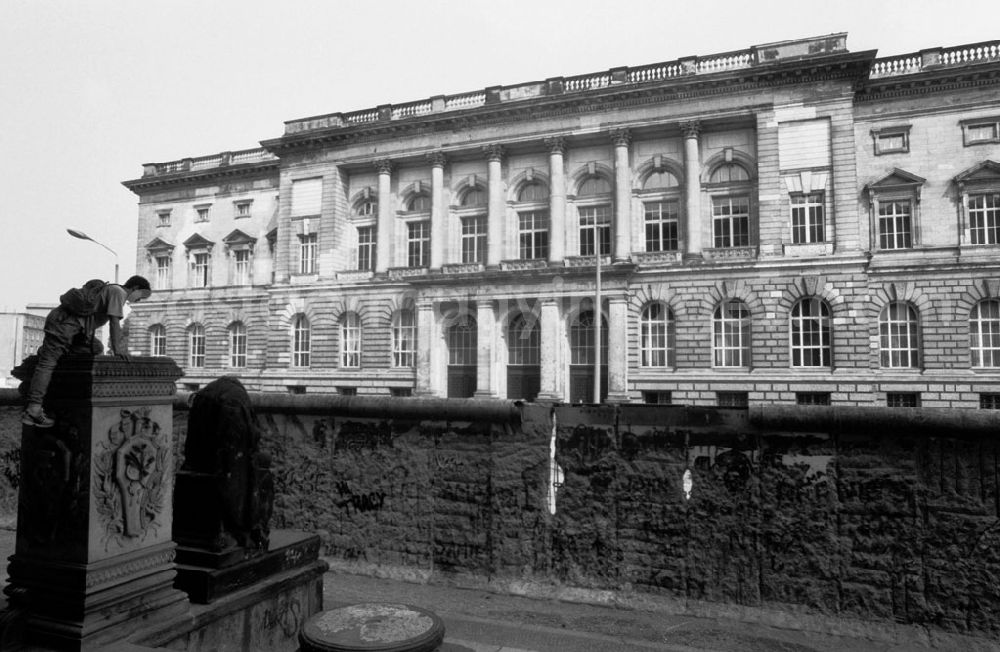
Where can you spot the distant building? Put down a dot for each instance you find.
(789, 223)
(21, 334)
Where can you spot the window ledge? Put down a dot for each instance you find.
(354, 275)
(462, 268)
(808, 250)
(533, 263)
(655, 257)
(730, 253)
(585, 261)
(406, 272)
(303, 279)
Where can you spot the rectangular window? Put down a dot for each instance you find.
(989, 401)
(895, 228)
(404, 340)
(807, 218)
(366, 248)
(657, 398)
(306, 197)
(591, 217)
(400, 391)
(238, 346)
(418, 244)
(241, 267)
(891, 140)
(474, 239)
(307, 253)
(163, 272)
(158, 346)
(163, 218)
(732, 399)
(202, 213)
(812, 398)
(979, 131)
(296, 389)
(661, 225)
(347, 391)
(984, 218)
(242, 208)
(731, 221)
(902, 399)
(199, 270)
(533, 235)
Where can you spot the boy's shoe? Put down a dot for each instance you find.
(34, 416)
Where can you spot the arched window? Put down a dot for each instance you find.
(533, 191)
(474, 197)
(593, 186)
(898, 335)
(729, 173)
(523, 341)
(731, 335)
(350, 340)
(366, 208)
(809, 330)
(462, 337)
(656, 335)
(404, 339)
(300, 341)
(420, 202)
(984, 333)
(581, 340)
(237, 344)
(196, 346)
(660, 180)
(157, 340)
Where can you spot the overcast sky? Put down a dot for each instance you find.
(89, 91)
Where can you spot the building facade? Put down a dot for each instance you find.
(789, 223)
(21, 334)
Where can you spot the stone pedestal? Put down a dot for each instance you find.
(94, 559)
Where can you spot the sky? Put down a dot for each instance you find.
(89, 91)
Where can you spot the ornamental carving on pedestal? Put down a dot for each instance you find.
(129, 476)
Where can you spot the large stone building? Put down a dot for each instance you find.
(793, 222)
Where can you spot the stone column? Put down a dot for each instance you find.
(623, 194)
(557, 200)
(425, 342)
(94, 559)
(383, 243)
(617, 348)
(692, 188)
(496, 207)
(439, 213)
(486, 320)
(551, 372)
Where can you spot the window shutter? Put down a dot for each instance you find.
(306, 196)
(804, 144)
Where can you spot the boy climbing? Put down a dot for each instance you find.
(71, 326)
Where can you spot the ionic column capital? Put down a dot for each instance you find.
(383, 166)
(556, 145)
(437, 159)
(494, 152)
(621, 137)
(691, 128)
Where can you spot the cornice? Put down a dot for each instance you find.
(188, 177)
(933, 81)
(851, 67)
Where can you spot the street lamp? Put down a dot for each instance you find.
(83, 236)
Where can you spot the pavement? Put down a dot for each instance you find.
(478, 620)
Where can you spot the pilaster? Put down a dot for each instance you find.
(692, 188)
(557, 200)
(551, 371)
(383, 243)
(617, 348)
(425, 341)
(486, 320)
(496, 206)
(623, 191)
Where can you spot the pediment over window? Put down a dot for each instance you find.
(897, 181)
(158, 245)
(983, 173)
(237, 238)
(198, 241)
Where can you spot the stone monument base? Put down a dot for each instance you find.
(206, 576)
